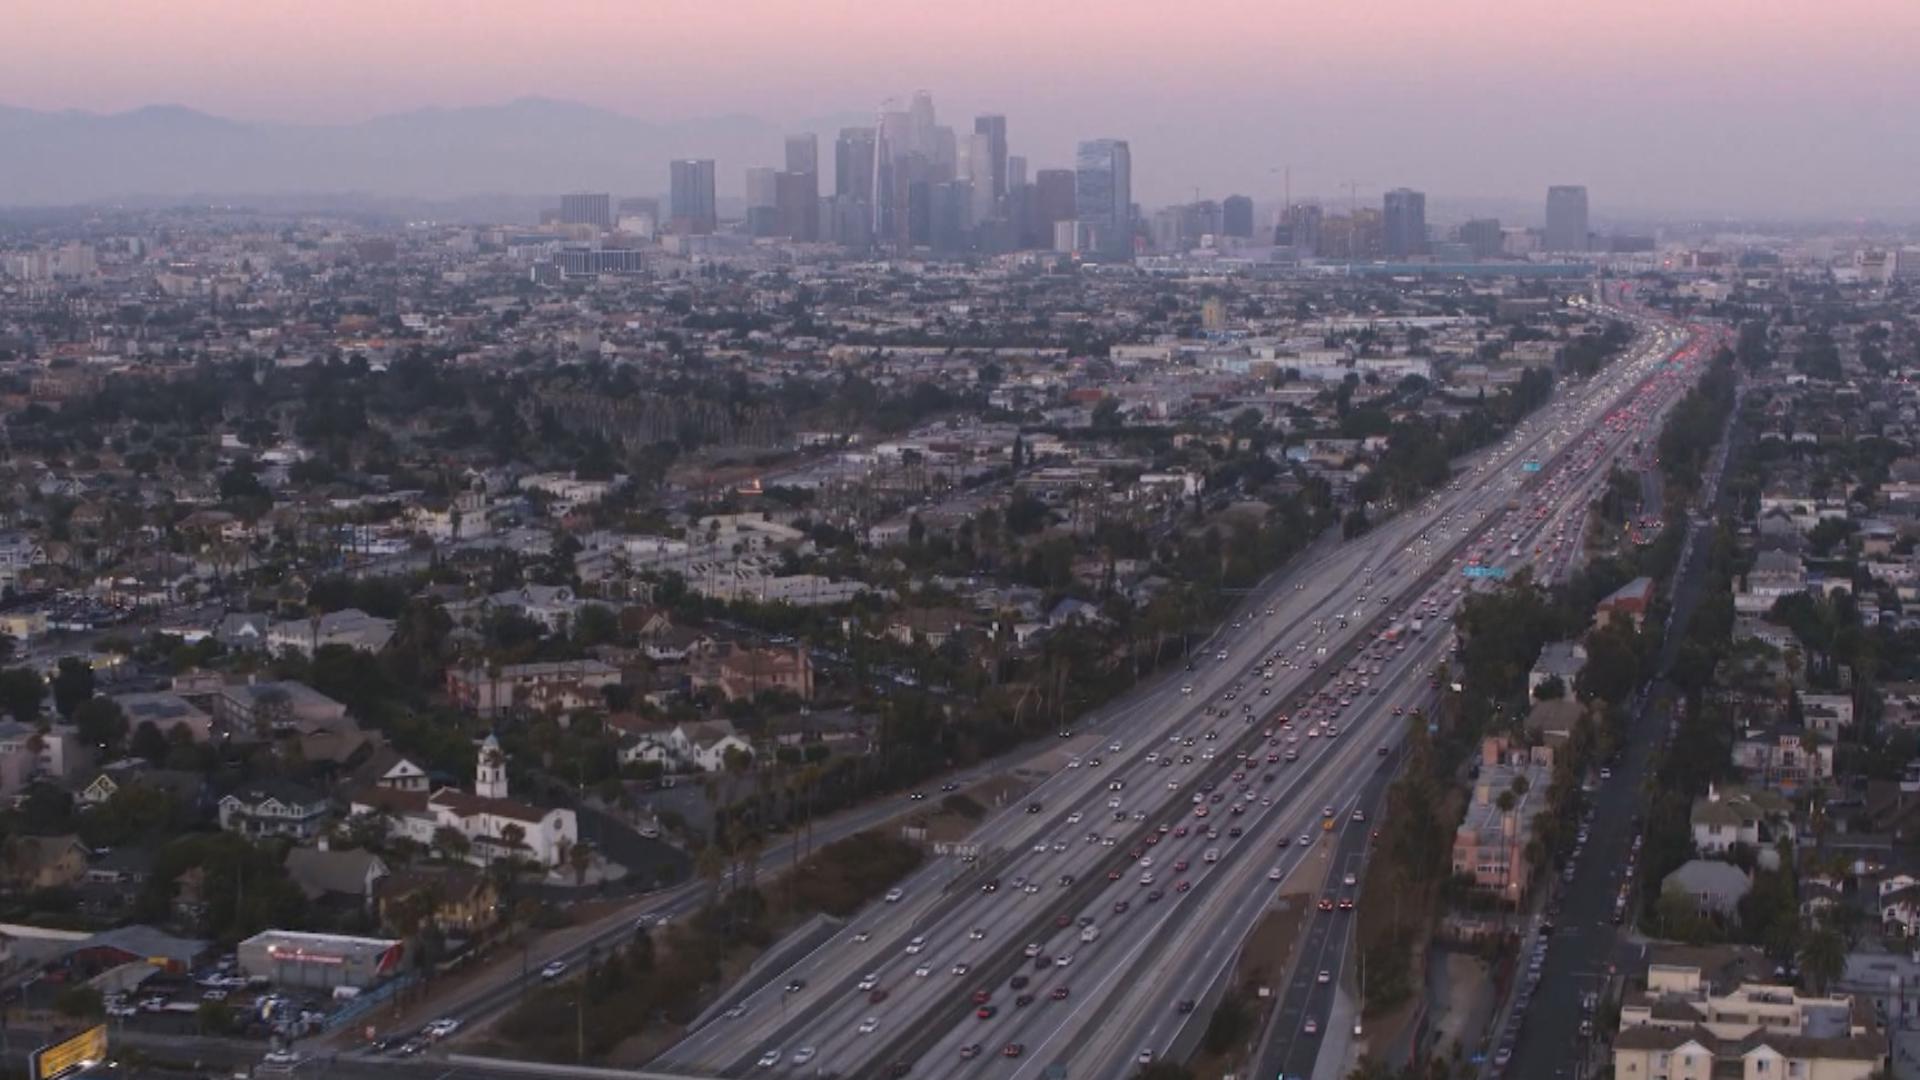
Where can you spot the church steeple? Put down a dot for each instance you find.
(490, 771)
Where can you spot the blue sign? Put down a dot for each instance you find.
(1531, 466)
(1485, 571)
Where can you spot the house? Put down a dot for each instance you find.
(1632, 600)
(385, 768)
(1782, 759)
(1688, 1025)
(1562, 660)
(458, 900)
(27, 752)
(165, 710)
(1900, 705)
(1714, 886)
(742, 673)
(1827, 714)
(934, 626)
(1899, 903)
(351, 627)
(493, 825)
(274, 807)
(1556, 719)
(323, 874)
(551, 685)
(243, 631)
(1775, 574)
(703, 746)
(43, 862)
(1730, 816)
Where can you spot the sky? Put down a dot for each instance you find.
(1735, 106)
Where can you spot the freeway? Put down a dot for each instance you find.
(1113, 885)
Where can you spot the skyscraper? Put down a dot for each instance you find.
(1052, 203)
(1405, 223)
(1567, 218)
(761, 187)
(1103, 194)
(690, 198)
(797, 195)
(1236, 216)
(1483, 236)
(1016, 171)
(853, 163)
(803, 153)
(979, 171)
(995, 129)
(587, 208)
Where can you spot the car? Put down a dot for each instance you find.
(1023, 1001)
(969, 1051)
(1323, 978)
(986, 1012)
(1326, 903)
(894, 896)
(803, 1055)
(976, 933)
(868, 1026)
(1033, 949)
(769, 1059)
(1274, 874)
(1013, 1050)
(1183, 1006)
(862, 935)
(923, 971)
(990, 886)
(1058, 993)
(1349, 880)
(734, 1013)
(878, 995)
(917, 944)
(961, 969)
(1311, 1027)
(442, 1028)
(869, 982)
(1018, 982)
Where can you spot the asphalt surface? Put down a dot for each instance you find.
(1140, 960)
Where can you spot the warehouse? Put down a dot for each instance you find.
(296, 961)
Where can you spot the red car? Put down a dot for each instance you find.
(1059, 993)
(1326, 903)
(1013, 1050)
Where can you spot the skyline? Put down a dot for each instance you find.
(1494, 98)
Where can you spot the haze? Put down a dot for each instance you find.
(1777, 107)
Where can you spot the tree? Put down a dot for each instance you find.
(1823, 957)
(149, 743)
(79, 1002)
(580, 857)
(21, 692)
(451, 843)
(1551, 688)
(72, 684)
(100, 724)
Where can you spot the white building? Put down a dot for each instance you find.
(494, 825)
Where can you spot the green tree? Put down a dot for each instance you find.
(72, 684)
(79, 1001)
(101, 724)
(21, 692)
(1823, 957)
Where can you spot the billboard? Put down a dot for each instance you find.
(89, 1047)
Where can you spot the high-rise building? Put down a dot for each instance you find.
(995, 129)
(803, 153)
(1482, 236)
(1566, 218)
(1103, 194)
(797, 194)
(690, 198)
(1053, 194)
(1299, 228)
(1405, 223)
(951, 225)
(853, 164)
(979, 171)
(761, 187)
(1016, 171)
(1236, 216)
(587, 208)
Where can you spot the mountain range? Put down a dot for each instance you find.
(524, 148)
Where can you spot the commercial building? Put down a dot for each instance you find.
(298, 961)
(1103, 195)
(1405, 223)
(1236, 216)
(1566, 218)
(1053, 202)
(994, 128)
(587, 208)
(853, 164)
(691, 205)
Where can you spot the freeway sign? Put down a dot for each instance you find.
(1485, 571)
(1531, 466)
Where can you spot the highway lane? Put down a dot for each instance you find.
(1385, 540)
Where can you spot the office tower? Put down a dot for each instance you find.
(1236, 216)
(1482, 237)
(587, 208)
(980, 171)
(946, 153)
(1405, 223)
(797, 195)
(1168, 228)
(1300, 228)
(995, 129)
(761, 189)
(1052, 202)
(853, 164)
(1103, 195)
(1016, 171)
(1203, 219)
(690, 196)
(951, 226)
(803, 153)
(920, 124)
(1566, 218)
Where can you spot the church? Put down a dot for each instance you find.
(495, 824)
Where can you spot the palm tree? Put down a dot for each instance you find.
(711, 865)
(580, 857)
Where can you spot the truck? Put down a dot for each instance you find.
(1416, 625)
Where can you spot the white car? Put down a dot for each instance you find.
(803, 1055)
(916, 944)
(894, 896)
(554, 970)
(769, 1059)
(923, 971)
(872, 980)
(868, 1026)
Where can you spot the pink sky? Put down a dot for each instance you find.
(1314, 75)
